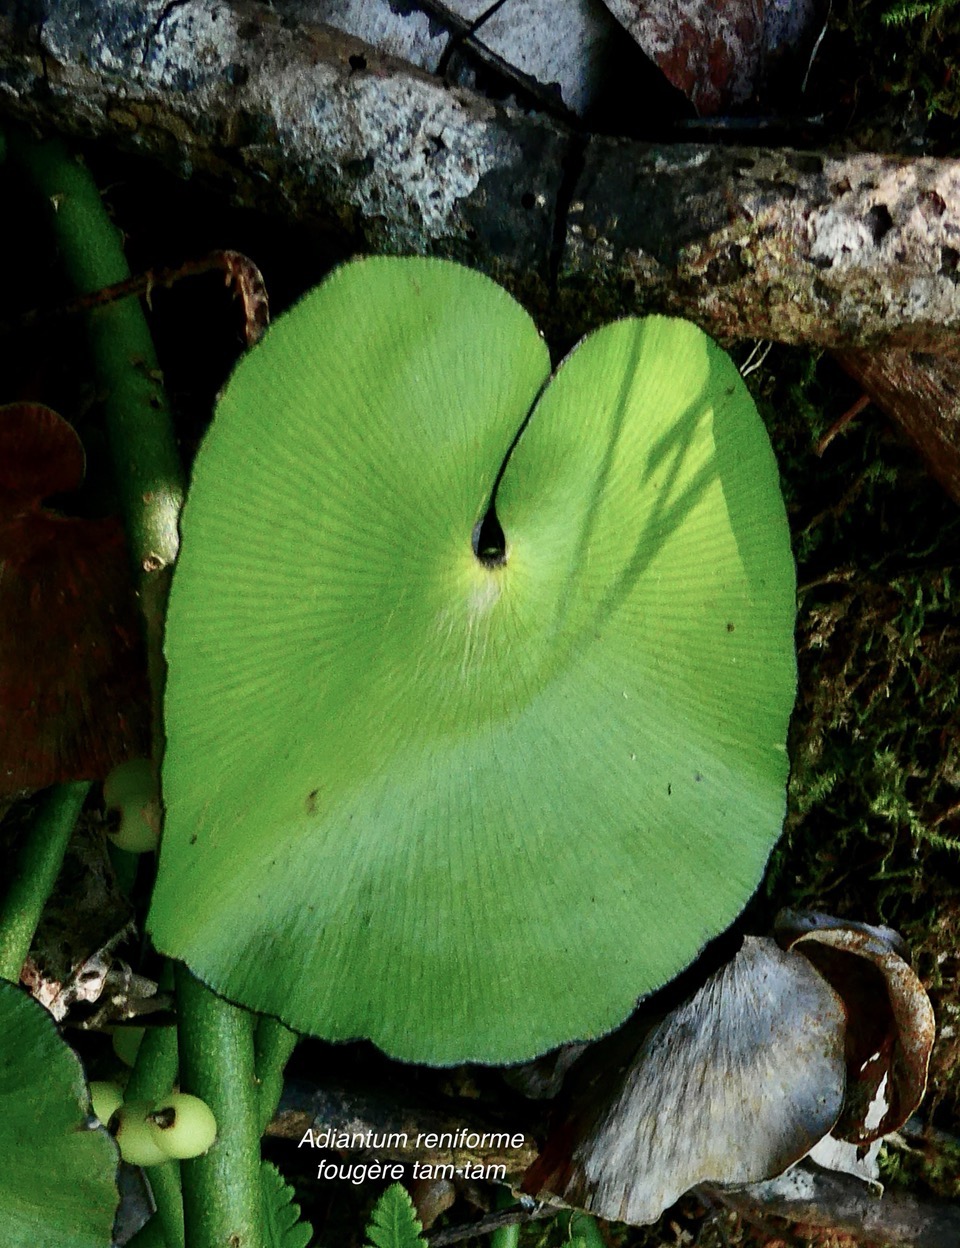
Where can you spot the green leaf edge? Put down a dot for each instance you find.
(41, 1041)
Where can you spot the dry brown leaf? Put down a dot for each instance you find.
(731, 1088)
(890, 1022)
(815, 1043)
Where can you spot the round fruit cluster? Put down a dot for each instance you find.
(178, 1127)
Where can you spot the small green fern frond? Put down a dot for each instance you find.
(282, 1227)
(394, 1223)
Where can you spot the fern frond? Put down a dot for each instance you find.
(394, 1222)
(282, 1227)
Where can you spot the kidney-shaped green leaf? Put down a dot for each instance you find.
(470, 807)
(58, 1179)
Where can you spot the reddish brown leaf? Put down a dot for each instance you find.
(890, 1023)
(718, 51)
(40, 455)
(73, 690)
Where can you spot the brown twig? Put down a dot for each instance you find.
(852, 412)
(490, 1222)
(239, 272)
(842, 1203)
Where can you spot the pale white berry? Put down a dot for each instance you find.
(135, 1135)
(183, 1125)
(133, 789)
(106, 1099)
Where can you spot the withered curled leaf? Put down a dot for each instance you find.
(890, 1023)
(730, 1088)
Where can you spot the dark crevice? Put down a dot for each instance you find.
(489, 542)
(573, 165)
(26, 15)
(879, 222)
(488, 539)
(44, 64)
(950, 263)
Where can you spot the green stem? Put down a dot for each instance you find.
(584, 1226)
(153, 1076)
(158, 1059)
(273, 1042)
(35, 874)
(125, 867)
(146, 463)
(167, 1187)
(155, 1070)
(221, 1190)
(505, 1236)
(150, 1235)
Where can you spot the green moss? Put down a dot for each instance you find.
(907, 51)
(919, 1165)
(909, 10)
(873, 824)
(874, 747)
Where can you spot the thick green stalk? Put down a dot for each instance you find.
(505, 1236)
(158, 1058)
(153, 1076)
(150, 1235)
(221, 1190)
(138, 421)
(167, 1187)
(147, 466)
(125, 867)
(273, 1042)
(38, 865)
(155, 1070)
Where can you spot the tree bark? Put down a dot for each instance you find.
(295, 118)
